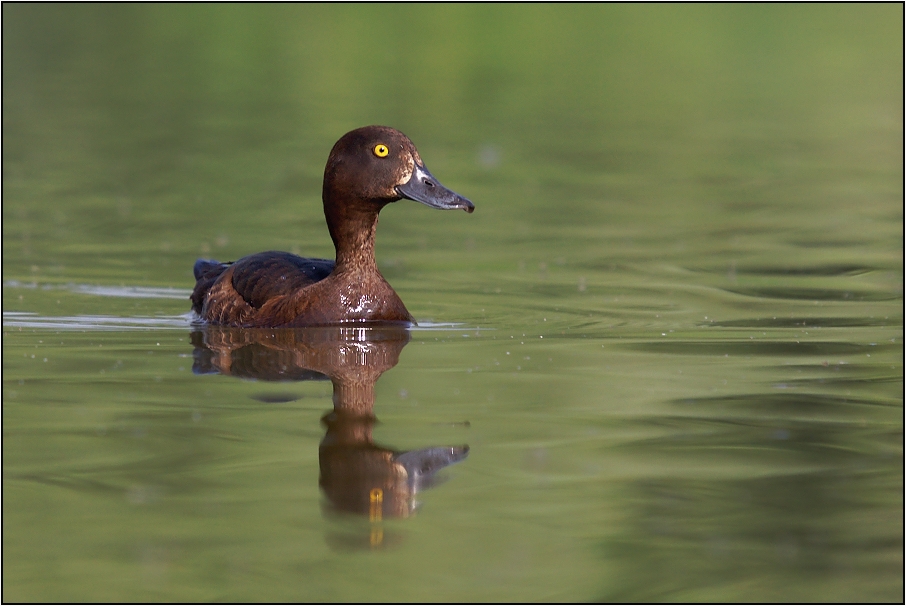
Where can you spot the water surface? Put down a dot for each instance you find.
(671, 335)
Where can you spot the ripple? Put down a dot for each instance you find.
(803, 323)
(130, 292)
(814, 294)
(758, 348)
(783, 402)
(17, 319)
(448, 327)
(781, 270)
(24, 319)
(277, 398)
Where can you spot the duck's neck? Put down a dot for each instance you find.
(352, 228)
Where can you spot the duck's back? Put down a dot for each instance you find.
(260, 277)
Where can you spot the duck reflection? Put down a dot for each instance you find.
(357, 475)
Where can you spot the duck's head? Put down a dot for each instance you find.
(378, 165)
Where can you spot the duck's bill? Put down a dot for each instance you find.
(423, 187)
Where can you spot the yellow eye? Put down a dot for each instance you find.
(381, 151)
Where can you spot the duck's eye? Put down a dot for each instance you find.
(381, 151)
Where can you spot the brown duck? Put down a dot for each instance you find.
(368, 168)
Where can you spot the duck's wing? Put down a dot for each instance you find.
(264, 276)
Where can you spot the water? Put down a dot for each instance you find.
(671, 335)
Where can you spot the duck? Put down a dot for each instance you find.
(367, 169)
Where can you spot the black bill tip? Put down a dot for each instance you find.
(423, 187)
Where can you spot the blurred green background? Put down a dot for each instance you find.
(186, 128)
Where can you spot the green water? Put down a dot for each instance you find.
(671, 334)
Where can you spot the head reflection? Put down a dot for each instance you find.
(356, 475)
